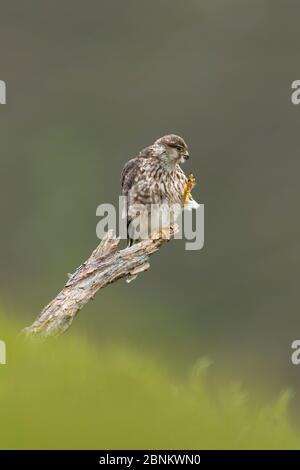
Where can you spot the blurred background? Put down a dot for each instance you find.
(91, 83)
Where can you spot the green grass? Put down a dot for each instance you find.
(68, 393)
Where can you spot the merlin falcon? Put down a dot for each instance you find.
(154, 178)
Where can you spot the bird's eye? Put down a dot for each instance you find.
(179, 147)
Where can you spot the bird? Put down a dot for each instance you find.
(154, 178)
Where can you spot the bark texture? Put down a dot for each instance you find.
(105, 266)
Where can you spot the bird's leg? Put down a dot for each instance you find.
(165, 233)
(188, 189)
(163, 223)
(173, 229)
(156, 235)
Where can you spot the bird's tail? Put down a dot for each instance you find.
(129, 239)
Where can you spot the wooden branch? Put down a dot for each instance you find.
(105, 266)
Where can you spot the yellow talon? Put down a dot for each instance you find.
(189, 186)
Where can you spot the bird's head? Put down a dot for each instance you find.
(174, 149)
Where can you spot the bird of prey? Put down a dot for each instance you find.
(154, 177)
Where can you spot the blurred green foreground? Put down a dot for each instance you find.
(67, 394)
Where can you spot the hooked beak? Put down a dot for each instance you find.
(185, 155)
